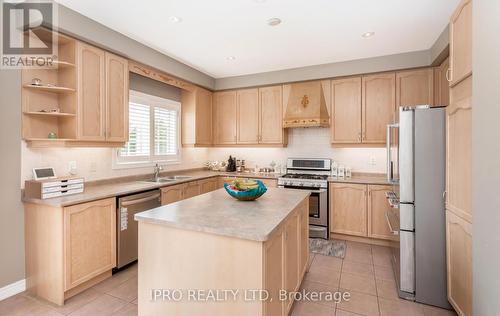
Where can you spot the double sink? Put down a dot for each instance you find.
(168, 179)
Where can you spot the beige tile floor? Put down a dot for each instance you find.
(366, 273)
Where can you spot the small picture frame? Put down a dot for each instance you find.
(44, 173)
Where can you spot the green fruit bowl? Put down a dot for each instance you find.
(247, 195)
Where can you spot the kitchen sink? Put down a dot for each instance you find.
(168, 179)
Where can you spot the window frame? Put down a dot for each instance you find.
(149, 161)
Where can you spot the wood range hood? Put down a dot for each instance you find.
(306, 106)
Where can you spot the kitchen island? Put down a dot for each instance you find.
(212, 254)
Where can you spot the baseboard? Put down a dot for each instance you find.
(12, 289)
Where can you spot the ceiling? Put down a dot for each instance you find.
(312, 32)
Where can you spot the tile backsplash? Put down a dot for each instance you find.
(96, 163)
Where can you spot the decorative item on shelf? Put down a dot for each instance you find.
(52, 135)
(335, 169)
(245, 190)
(36, 82)
(231, 164)
(53, 110)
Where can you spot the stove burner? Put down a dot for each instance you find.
(305, 176)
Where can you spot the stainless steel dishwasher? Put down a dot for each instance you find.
(126, 226)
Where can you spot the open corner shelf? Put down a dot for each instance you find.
(58, 114)
(53, 89)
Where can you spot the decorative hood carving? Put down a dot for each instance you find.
(305, 105)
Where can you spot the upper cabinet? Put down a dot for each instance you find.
(378, 106)
(225, 116)
(271, 116)
(196, 118)
(461, 42)
(441, 84)
(117, 92)
(346, 111)
(91, 93)
(415, 87)
(249, 117)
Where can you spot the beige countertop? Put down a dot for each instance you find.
(102, 189)
(218, 213)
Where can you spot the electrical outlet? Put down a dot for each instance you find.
(372, 161)
(93, 166)
(72, 167)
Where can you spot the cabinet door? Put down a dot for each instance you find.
(208, 185)
(304, 238)
(91, 97)
(225, 117)
(346, 111)
(172, 194)
(89, 240)
(378, 107)
(271, 116)
(461, 42)
(116, 98)
(348, 214)
(377, 207)
(203, 128)
(441, 84)
(459, 150)
(273, 274)
(415, 87)
(248, 116)
(459, 263)
(191, 189)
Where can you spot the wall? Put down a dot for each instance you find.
(101, 158)
(11, 211)
(485, 157)
(310, 143)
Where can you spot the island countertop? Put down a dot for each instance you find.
(218, 213)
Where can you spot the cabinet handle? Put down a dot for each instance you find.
(448, 74)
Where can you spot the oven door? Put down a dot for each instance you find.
(318, 205)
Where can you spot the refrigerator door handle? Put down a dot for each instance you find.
(390, 163)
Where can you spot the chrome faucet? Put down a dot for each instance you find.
(156, 172)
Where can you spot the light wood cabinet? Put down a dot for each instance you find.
(378, 99)
(208, 185)
(441, 84)
(196, 118)
(89, 241)
(191, 189)
(377, 207)
(346, 111)
(172, 194)
(248, 116)
(414, 87)
(459, 263)
(117, 92)
(91, 93)
(304, 242)
(459, 150)
(271, 116)
(461, 42)
(292, 259)
(348, 210)
(273, 274)
(225, 117)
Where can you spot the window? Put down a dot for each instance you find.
(153, 132)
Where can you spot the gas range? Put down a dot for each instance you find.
(312, 175)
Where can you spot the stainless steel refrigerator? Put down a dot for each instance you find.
(416, 149)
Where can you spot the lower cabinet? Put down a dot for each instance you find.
(172, 194)
(285, 257)
(208, 185)
(89, 241)
(348, 211)
(377, 208)
(191, 189)
(459, 263)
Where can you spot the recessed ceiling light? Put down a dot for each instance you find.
(259, 1)
(230, 58)
(273, 21)
(174, 19)
(367, 34)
